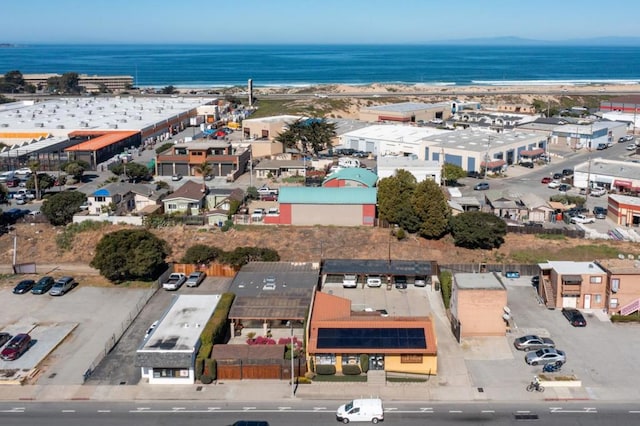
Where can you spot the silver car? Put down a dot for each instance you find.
(533, 343)
(195, 278)
(545, 356)
(62, 286)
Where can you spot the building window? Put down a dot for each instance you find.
(171, 207)
(350, 359)
(164, 373)
(598, 298)
(613, 303)
(411, 359)
(101, 199)
(595, 280)
(615, 285)
(325, 359)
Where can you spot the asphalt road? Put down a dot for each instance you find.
(313, 413)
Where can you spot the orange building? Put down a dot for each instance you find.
(338, 337)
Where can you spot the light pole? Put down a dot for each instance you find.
(293, 384)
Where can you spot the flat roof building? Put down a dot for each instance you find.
(167, 355)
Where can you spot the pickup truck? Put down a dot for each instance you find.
(582, 219)
(265, 190)
(174, 281)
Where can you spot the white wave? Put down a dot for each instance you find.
(551, 82)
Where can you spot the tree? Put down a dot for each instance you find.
(44, 182)
(33, 167)
(394, 194)
(133, 172)
(69, 83)
(168, 90)
(252, 193)
(76, 169)
(201, 253)
(130, 254)
(204, 169)
(478, 230)
(309, 136)
(243, 255)
(60, 208)
(12, 82)
(452, 172)
(430, 206)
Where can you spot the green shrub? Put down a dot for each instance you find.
(351, 370)
(364, 363)
(162, 148)
(325, 370)
(334, 378)
(210, 368)
(445, 286)
(199, 367)
(206, 379)
(302, 380)
(401, 234)
(625, 318)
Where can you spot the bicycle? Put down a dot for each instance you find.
(535, 386)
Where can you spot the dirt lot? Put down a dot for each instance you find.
(37, 243)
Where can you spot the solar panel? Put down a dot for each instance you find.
(372, 338)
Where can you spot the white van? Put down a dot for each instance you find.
(350, 281)
(361, 410)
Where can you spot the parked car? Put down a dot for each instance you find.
(558, 175)
(567, 172)
(631, 147)
(545, 356)
(350, 281)
(62, 286)
(4, 338)
(600, 212)
(43, 285)
(265, 190)
(580, 218)
(12, 182)
(400, 281)
(627, 138)
(512, 274)
(176, 177)
(535, 280)
(564, 187)
(482, 186)
(16, 347)
(546, 180)
(602, 146)
(554, 184)
(597, 192)
(23, 286)
(420, 281)
(194, 279)
(257, 214)
(532, 342)
(527, 164)
(575, 317)
(174, 281)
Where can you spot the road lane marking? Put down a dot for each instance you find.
(523, 411)
(213, 408)
(104, 411)
(488, 411)
(426, 409)
(68, 411)
(455, 411)
(284, 408)
(319, 408)
(248, 408)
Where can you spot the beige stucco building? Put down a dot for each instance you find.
(477, 305)
(407, 112)
(623, 285)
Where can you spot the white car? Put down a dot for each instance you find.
(257, 214)
(25, 171)
(597, 192)
(582, 219)
(554, 184)
(631, 147)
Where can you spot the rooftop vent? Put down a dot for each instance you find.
(4, 125)
(60, 126)
(39, 124)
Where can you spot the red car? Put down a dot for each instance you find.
(546, 180)
(16, 347)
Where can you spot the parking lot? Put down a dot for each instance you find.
(70, 332)
(602, 355)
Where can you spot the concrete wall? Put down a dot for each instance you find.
(331, 214)
(480, 311)
(128, 220)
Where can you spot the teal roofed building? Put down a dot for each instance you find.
(351, 177)
(327, 206)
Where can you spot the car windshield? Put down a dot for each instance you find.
(348, 406)
(194, 276)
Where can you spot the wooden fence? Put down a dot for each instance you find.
(524, 269)
(239, 369)
(212, 270)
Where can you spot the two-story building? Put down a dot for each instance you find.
(183, 159)
(567, 284)
(122, 198)
(623, 285)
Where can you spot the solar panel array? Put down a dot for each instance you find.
(371, 338)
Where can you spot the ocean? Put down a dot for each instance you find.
(305, 65)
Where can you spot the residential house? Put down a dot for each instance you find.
(122, 198)
(503, 206)
(267, 169)
(567, 284)
(477, 305)
(623, 285)
(339, 337)
(538, 210)
(188, 199)
(218, 204)
(183, 159)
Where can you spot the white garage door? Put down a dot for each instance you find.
(569, 302)
(339, 215)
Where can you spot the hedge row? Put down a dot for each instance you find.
(351, 370)
(445, 287)
(625, 318)
(325, 370)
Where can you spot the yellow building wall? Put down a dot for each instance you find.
(429, 365)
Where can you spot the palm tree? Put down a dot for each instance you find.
(204, 169)
(34, 166)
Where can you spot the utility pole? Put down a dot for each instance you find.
(588, 190)
(293, 382)
(486, 157)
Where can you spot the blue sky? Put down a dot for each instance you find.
(311, 21)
